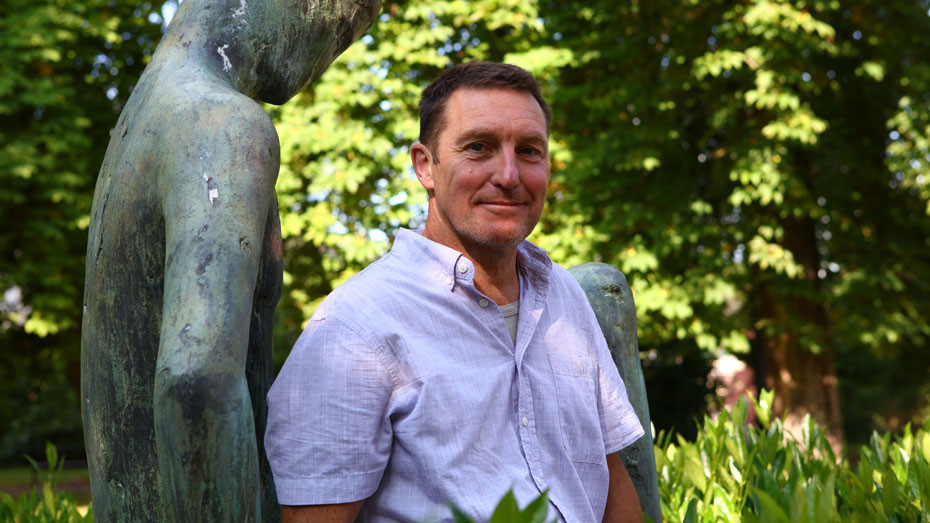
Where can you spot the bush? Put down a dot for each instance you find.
(734, 471)
(47, 505)
(730, 472)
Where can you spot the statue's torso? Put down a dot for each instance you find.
(123, 303)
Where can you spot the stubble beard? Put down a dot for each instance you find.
(481, 237)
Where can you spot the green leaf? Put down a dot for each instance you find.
(691, 515)
(537, 510)
(458, 516)
(890, 491)
(865, 478)
(769, 510)
(51, 455)
(507, 510)
(825, 506)
(694, 468)
(48, 497)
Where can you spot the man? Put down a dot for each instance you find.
(463, 363)
(184, 262)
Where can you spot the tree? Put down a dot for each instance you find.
(734, 160)
(66, 69)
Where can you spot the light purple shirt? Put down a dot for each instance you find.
(405, 389)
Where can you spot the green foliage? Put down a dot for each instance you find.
(46, 504)
(31, 403)
(702, 137)
(734, 471)
(67, 68)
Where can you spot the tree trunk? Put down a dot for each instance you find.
(796, 351)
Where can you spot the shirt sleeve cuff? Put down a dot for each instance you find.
(624, 433)
(326, 490)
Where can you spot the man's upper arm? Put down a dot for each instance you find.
(339, 513)
(329, 434)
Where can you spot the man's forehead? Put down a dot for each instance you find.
(471, 108)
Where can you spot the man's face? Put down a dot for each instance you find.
(489, 187)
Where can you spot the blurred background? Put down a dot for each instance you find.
(758, 169)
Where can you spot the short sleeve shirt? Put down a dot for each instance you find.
(406, 390)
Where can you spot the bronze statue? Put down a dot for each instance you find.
(611, 299)
(184, 261)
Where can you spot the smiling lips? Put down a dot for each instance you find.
(501, 205)
(502, 200)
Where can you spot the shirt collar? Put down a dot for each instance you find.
(448, 265)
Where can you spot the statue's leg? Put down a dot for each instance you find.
(612, 300)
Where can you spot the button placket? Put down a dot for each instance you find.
(528, 435)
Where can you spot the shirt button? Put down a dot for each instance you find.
(526, 421)
(463, 268)
(448, 281)
(483, 302)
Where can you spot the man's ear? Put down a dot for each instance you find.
(422, 160)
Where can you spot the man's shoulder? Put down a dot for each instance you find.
(367, 293)
(563, 283)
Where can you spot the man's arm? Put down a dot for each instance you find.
(342, 512)
(622, 501)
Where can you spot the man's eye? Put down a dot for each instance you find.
(529, 151)
(476, 147)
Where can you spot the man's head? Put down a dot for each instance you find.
(472, 75)
(489, 125)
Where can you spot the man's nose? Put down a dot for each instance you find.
(507, 173)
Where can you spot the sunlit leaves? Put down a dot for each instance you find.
(734, 471)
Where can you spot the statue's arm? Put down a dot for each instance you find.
(215, 199)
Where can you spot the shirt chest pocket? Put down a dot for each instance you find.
(579, 421)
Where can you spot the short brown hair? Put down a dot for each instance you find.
(474, 75)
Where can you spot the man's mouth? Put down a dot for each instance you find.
(501, 205)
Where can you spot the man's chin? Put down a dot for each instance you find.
(501, 240)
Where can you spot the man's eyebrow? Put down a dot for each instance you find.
(488, 134)
(475, 134)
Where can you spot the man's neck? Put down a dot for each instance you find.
(495, 268)
(496, 275)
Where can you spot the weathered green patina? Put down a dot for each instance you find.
(612, 300)
(184, 261)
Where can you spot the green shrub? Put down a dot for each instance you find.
(44, 504)
(730, 472)
(734, 471)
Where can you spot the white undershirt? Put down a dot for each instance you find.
(511, 313)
